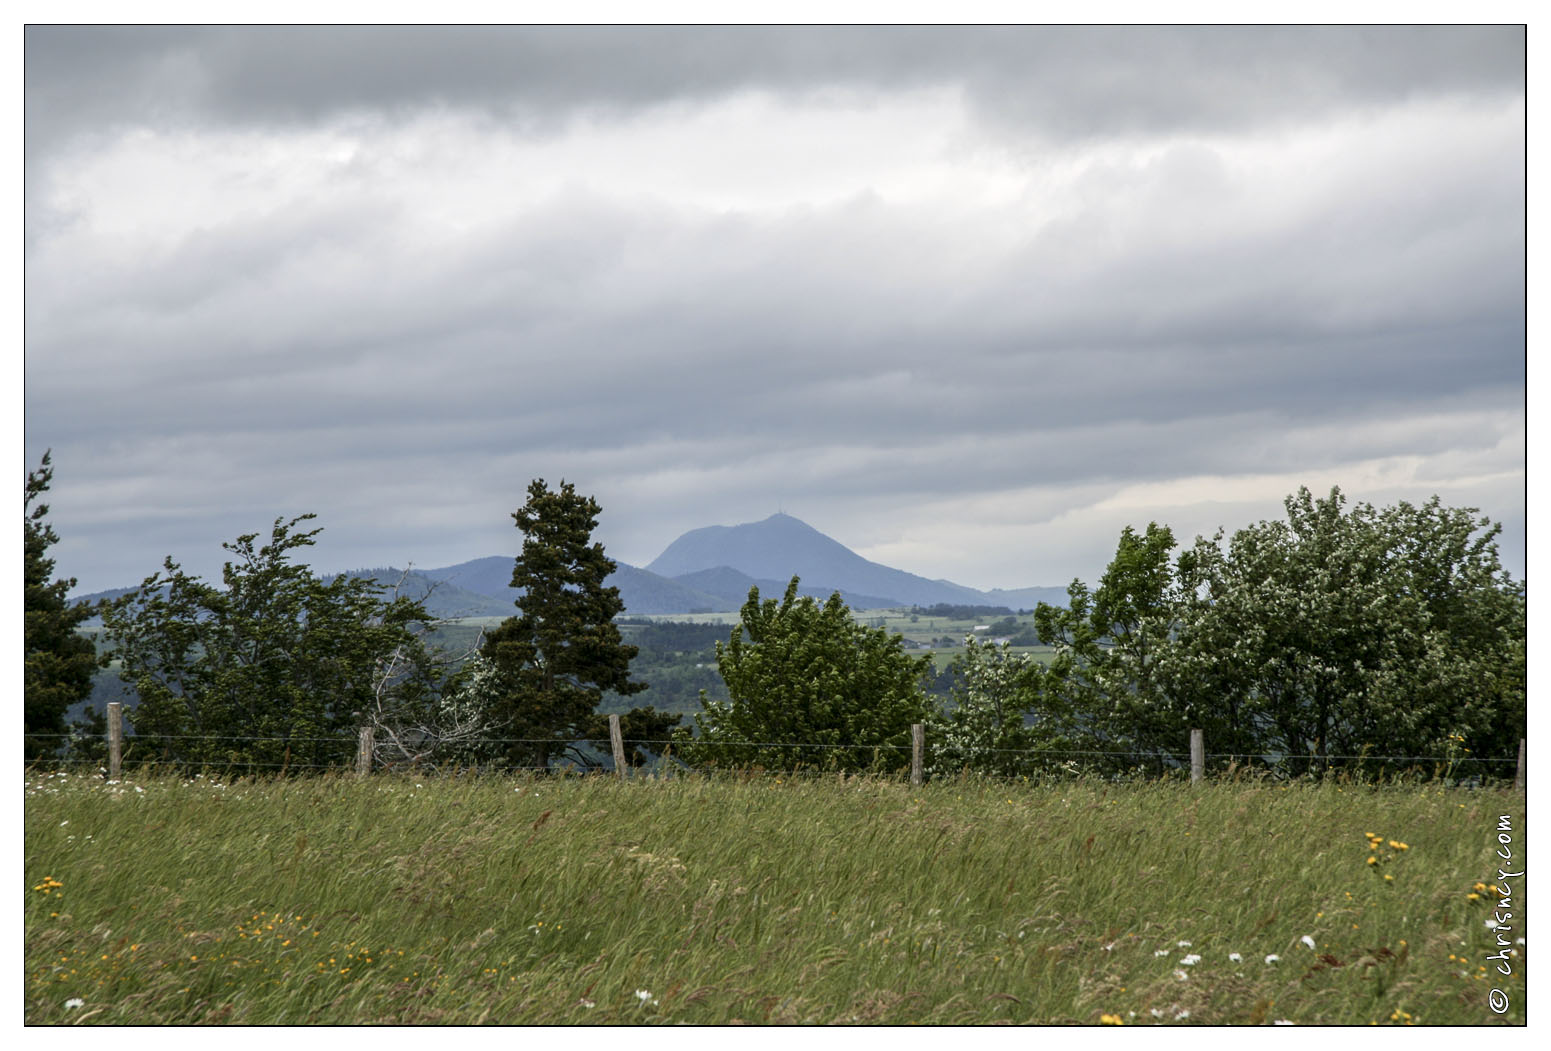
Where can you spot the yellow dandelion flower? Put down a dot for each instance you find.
(1110, 1020)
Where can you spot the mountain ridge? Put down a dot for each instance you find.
(707, 570)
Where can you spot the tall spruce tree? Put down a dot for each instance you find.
(60, 662)
(553, 661)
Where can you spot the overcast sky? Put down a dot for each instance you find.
(967, 301)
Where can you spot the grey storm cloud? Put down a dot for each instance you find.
(356, 269)
(1064, 81)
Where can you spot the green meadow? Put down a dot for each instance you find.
(175, 900)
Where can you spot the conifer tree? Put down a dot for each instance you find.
(556, 657)
(60, 662)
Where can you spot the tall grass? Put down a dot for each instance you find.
(766, 900)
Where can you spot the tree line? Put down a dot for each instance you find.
(1336, 636)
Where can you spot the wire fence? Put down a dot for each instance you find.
(667, 755)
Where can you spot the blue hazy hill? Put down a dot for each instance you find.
(710, 570)
(781, 547)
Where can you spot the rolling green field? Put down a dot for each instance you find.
(943, 636)
(765, 900)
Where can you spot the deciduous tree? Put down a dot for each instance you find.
(1110, 646)
(1389, 631)
(275, 669)
(1000, 714)
(831, 693)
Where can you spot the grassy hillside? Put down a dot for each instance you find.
(766, 900)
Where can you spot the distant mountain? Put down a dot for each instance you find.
(782, 546)
(442, 598)
(642, 592)
(98, 596)
(1026, 598)
(645, 592)
(707, 570)
(733, 587)
(490, 576)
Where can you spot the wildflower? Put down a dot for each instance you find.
(1191, 960)
(1272, 958)
(1234, 957)
(74, 1002)
(1181, 975)
(1306, 940)
(1184, 945)
(1111, 1020)
(1161, 952)
(644, 996)
(587, 1003)
(1156, 1013)
(1283, 1021)
(1184, 1014)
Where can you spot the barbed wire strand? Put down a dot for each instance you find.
(702, 743)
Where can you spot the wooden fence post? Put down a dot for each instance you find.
(363, 754)
(1197, 756)
(617, 740)
(115, 739)
(917, 746)
(1518, 775)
